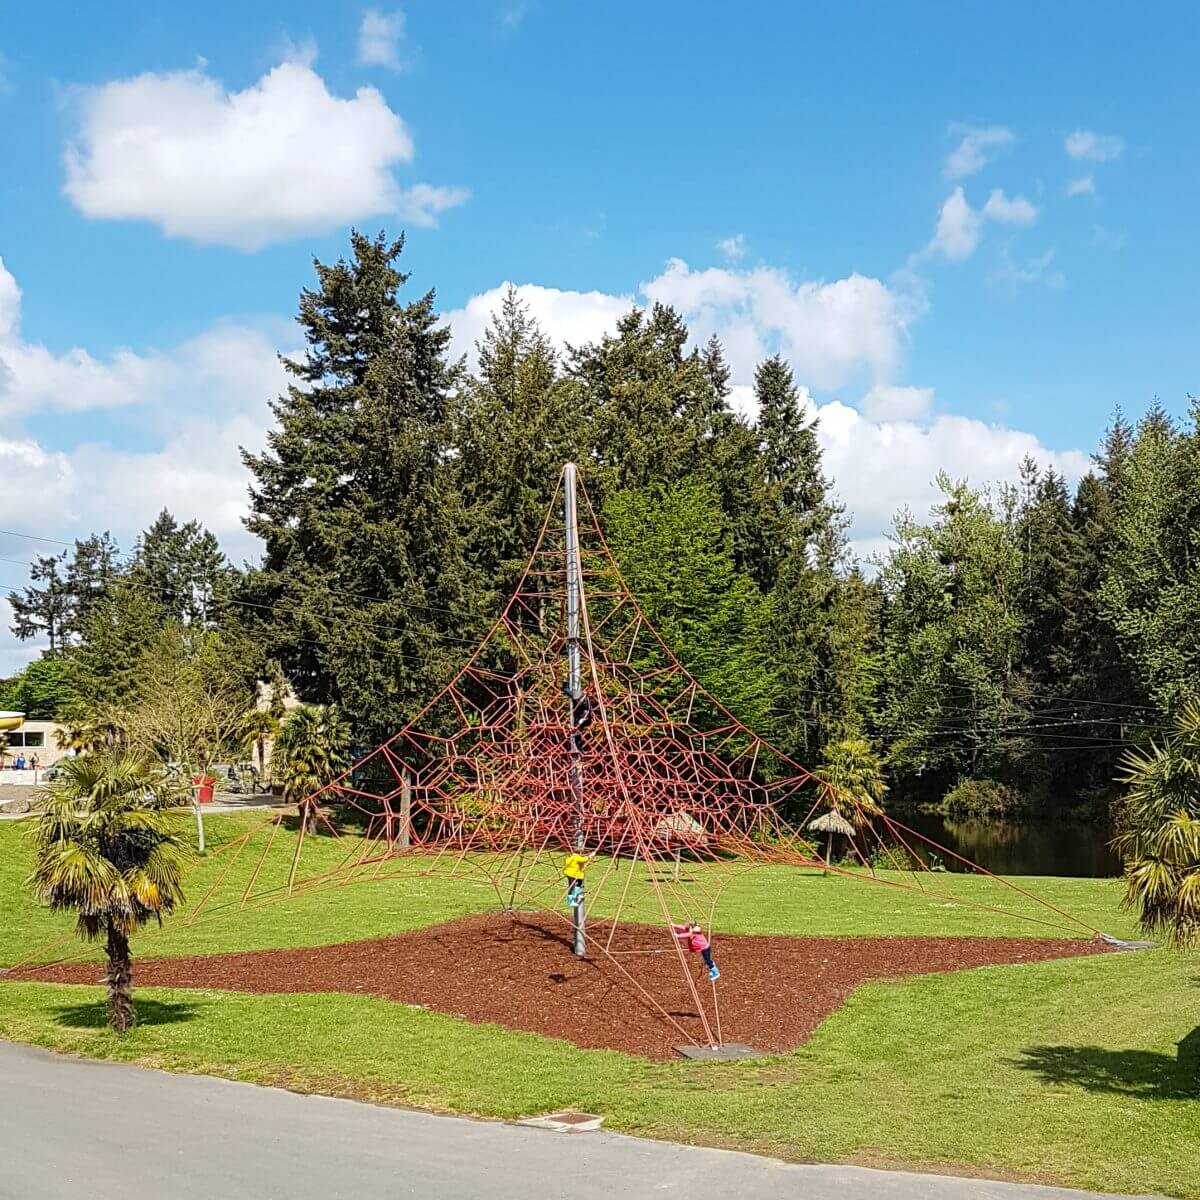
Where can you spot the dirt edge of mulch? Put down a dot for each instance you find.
(517, 970)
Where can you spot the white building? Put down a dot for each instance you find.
(25, 739)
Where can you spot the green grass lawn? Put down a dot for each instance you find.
(1060, 1071)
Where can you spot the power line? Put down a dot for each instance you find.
(452, 639)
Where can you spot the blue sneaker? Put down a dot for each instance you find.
(714, 972)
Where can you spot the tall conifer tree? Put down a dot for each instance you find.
(355, 499)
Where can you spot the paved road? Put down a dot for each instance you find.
(72, 1128)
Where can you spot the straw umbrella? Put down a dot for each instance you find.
(830, 823)
(680, 829)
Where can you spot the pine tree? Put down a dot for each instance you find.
(728, 453)
(1051, 547)
(952, 641)
(72, 582)
(118, 629)
(1150, 593)
(182, 568)
(521, 423)
(644, 396)
(675, 550)
(44, 609)
(355, 499)
(823, 618)
(92, 569)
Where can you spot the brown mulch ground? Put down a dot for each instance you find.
(517, 970)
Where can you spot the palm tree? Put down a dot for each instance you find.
(259, 725)
(313, 749)
(855, 777)
(1159, 838)
(105, 850)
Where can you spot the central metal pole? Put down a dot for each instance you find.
(574, 685)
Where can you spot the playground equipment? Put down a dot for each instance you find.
(573, 729)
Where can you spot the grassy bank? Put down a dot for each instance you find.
(1060, 1071)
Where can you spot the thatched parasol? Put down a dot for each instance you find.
(830, 823)
(680, 829)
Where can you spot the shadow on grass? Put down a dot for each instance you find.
(1142, 1073)
(146, 1012)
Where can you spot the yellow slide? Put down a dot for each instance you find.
(10, 721)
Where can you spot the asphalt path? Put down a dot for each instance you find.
(105, 1131)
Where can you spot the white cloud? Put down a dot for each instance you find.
(194, 404)
(958, 227)
(422, 203)
(882, 466)
(831, 332)
(10, 302)
(37, 485)
(882, 456)
(976, 149)
(566, 317)
(304, 52)
(282, 158)
(1009, 210)
(379, 37)
(1085, 146)
(1015, 274)
(224, 369)
(1085, 185)
(891, 402)
(733, 248)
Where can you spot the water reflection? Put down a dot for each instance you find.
(1009, 848)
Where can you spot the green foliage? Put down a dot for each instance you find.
(1159, 836)
(313, 748)
(190, 705)
(104, 845)
(983, 798)
(521, 422)
(70, 583)
(1150, 593)
(854, 773)
(952, 637)
(1025, 637)
(44, 690)
(118, 628)
(824, 621)
(675, 551)
(106, 850)
(645, 398)
(257, 727)
(364, 592)
(182, 569)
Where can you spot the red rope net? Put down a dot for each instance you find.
(479, 783)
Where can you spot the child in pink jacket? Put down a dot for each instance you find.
(698, 943)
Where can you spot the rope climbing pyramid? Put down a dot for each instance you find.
(572, 749)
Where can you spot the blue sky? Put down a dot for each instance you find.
(788, 175)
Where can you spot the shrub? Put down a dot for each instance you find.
(983, 798)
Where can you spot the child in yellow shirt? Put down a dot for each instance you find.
(573, 868)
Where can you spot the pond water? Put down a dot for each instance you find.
(1009, 848)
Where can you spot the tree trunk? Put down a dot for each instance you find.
(199, 821)
(308, 817)
(405, 812)
(119, 979)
